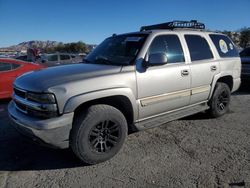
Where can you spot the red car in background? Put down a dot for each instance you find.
(10, 69)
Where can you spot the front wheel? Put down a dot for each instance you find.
(219, 103)
(98, 134)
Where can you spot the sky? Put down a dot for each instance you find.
(91, 21)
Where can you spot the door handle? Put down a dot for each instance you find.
(213, 68)
(184, 72)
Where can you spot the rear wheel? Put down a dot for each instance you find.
(98, 134)
(219, 103)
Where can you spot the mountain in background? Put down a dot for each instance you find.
(39, 44)
(24, 45)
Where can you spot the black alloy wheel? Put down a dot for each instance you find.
(98, 133)
(104, 136)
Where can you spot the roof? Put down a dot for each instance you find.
(176, 24)
(192, 26)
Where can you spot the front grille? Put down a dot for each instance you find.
(21, 107)
(20, 93)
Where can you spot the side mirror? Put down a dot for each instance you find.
(157, 59)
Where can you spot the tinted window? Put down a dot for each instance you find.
(224, 46)
(15, 66)
(169, 44)
(73, 56)
(5, 66)
(198, 47)
(245, 52)
(64, 57)
(52, 58)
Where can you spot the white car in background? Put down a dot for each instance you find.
(57, 59)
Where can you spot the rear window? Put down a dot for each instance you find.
(224, 46)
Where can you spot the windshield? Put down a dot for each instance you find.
(117, 50)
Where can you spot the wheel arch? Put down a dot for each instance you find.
(227, 79)
(122, 99)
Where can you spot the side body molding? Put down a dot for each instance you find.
(76, 101)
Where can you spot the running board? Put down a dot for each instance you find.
(171, 116)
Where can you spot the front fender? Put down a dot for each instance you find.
(76, 101)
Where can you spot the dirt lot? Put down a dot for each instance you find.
(192, 152)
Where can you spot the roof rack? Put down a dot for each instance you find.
(193, 24)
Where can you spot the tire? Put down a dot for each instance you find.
(98, 134)
(220, 101)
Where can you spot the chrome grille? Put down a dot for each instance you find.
(20, 93)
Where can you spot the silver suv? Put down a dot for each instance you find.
(129, 82)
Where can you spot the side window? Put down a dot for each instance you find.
(198, 47)
(5, 66)
(15, 66)
(224, 46)
(53, 58)
(169, 44)
(64, 57)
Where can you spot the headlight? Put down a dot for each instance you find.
(41, 98)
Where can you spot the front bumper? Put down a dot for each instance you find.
(54, 132)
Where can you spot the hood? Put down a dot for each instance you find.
(42, 80)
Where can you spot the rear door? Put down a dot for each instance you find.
(203, 67)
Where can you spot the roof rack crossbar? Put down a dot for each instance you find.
(193, 24)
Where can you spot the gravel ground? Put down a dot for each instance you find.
(193, 152)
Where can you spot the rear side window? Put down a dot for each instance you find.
(224, 46)
(5, 66)
(198, 47)
(52, 58)
(169, 44)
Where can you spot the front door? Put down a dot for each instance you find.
(166, 87)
